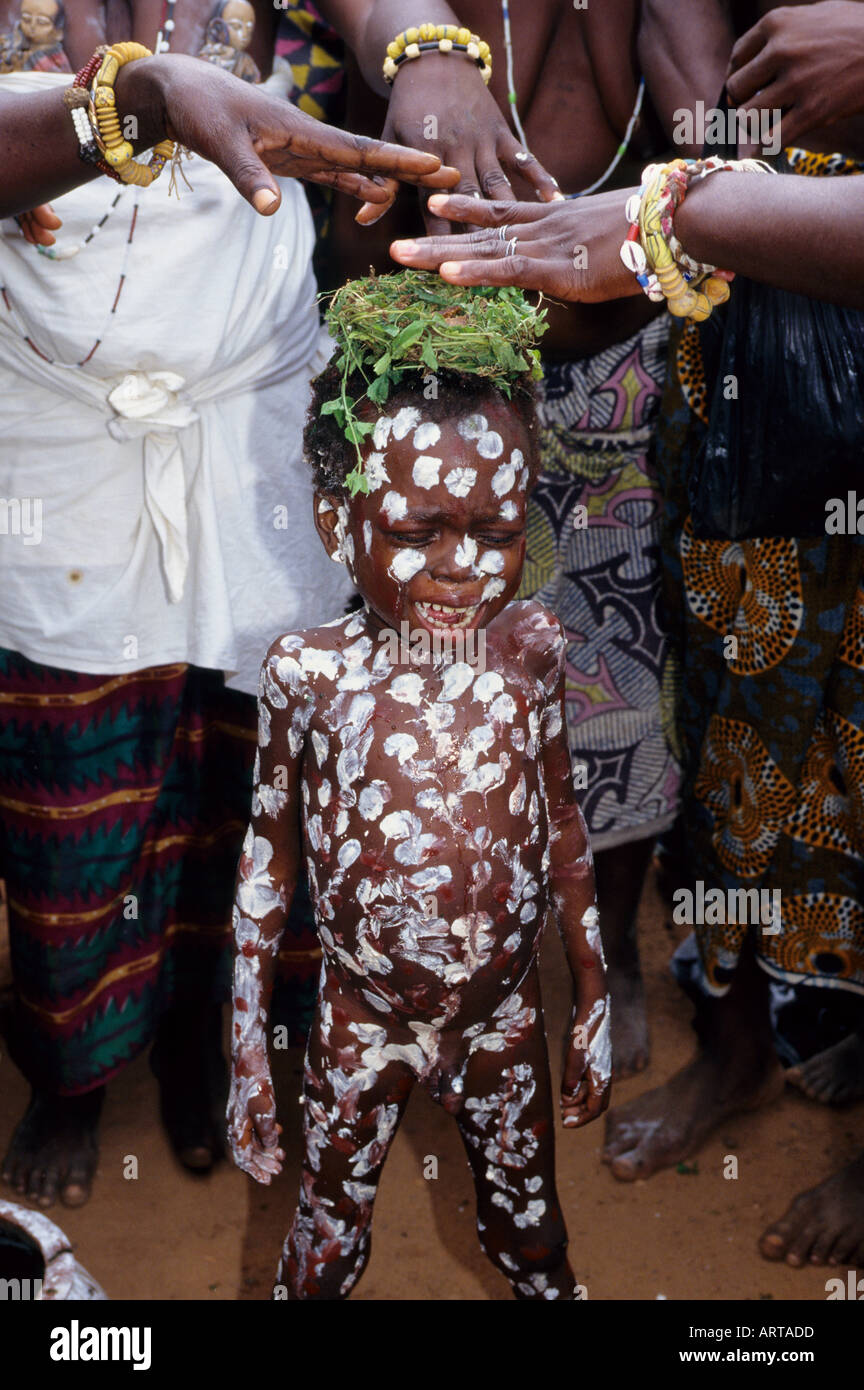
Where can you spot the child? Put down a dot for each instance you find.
(439, 822)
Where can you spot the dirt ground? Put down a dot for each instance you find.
(679, 1235)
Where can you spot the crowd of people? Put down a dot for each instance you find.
(155, 361)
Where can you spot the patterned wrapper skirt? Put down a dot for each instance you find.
(123, 805)
(772, 733)
(593, 557)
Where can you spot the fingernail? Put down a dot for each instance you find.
(404, 248)
(569, 1122)
(451, 268)
(264, 199)
(558, 198)
(436, 201)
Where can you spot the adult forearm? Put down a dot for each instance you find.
(684, 52)
(367, 26)
(38, 145)
(797, 234)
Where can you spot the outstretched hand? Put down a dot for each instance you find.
(442, 106)
(807, 62)
(252, 135)
(569, 250)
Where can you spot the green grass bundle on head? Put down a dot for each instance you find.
(388, 327)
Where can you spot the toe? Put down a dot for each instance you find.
(844, 1247)
(775, 1241)
(822, 1246)
(802, 1244)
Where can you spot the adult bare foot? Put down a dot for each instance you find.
(824, 1225)
(737, 1069)
(669, 1124)
(55, 1149)
(188, 1062)
(834, 1076)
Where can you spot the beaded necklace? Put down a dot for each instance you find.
(62, 253)
(511, 98)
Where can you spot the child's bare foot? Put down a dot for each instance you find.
(669, 1123)
(55, 1148)
(834, 1076)
(631, 1050)
(189, 1065)
(824, 1225)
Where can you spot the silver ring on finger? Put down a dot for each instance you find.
(502, 233)
(511, 246)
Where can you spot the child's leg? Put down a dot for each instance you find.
(507, 1127)
(351, 1112)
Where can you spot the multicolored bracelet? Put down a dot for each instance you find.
(653, 252)
(76, 99)
(117, 151)
(436, 38)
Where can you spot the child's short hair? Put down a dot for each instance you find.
(332, 457)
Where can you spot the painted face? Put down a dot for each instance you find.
(38, 21)
(240, 20)
(439, 540)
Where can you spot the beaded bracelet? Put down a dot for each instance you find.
(436, 38)
(116, 151)
(653, 252)
(76, 99)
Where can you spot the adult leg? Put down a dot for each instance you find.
(620, 876)
(353, 1100)
(736, 1069)
(507, 1127)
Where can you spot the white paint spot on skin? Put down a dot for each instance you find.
(406, 563)
(509, 511)
(457, 679)
(491, 562)
(406, 419)
(317, 661)
(394, 506)
(324, 506)
(472, 426)
(523, 479)
(349, 850)
(426, 435)
(408, 688)
(466, 552)
(492, 589)
(503, 479)
(425, 471)
(401, 746)
(490, 445)
(517, 797)
(325, 792)
(459, 481)
(503, 709)
(367, 536)
(487, 686)
(320, 744)
(381, 432)
(373, 469)
(591, 923)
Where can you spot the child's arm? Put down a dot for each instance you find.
(587, 1065)
(266, 878)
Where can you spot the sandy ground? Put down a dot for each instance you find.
(167, 1235)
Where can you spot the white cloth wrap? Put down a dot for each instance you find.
(176, 507)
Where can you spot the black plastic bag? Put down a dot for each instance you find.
(786, 413)
(786, 424)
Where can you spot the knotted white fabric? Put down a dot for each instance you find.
(149, 407)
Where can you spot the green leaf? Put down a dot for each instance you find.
(429, 356)
(409, 336)
(379, 390)
(356, 430)
(382, 365)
